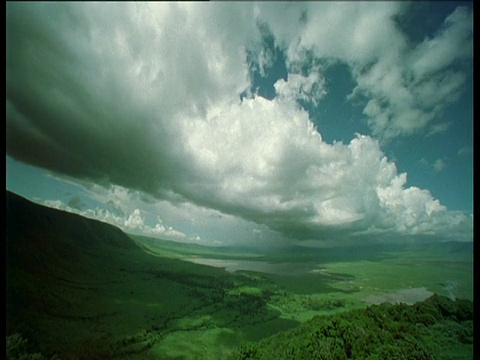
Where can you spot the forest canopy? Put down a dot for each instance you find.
(437, 328)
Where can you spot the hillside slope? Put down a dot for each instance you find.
(50, 246)
(81, 289)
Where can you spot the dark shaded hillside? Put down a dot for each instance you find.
(44, 244)
(53, 259)
(45, 230)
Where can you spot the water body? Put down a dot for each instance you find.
(258, 266)
(407, 296)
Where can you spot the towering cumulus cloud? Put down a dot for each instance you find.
(147, 97)
(265, 161)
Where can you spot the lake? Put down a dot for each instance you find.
(258, 266)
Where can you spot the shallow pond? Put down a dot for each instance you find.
(407, 296)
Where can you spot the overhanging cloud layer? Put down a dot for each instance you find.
(148, 97)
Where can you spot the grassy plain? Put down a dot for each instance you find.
(335, 280)
(98, 293)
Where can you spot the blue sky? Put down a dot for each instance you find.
(251, 122)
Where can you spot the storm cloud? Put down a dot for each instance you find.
(147, 97)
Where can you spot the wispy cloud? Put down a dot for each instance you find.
(406, 86)
(439, 165)
(436, 166)
(464, 151)
(438, 128)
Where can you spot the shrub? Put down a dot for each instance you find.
(17, 349)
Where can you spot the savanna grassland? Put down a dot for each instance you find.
(81, 289)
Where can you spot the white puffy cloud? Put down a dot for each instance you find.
(136, 223)
(144, 99)
(166, 232)
(102, 215)
(264, 160)
(96, 214)
(407, 86)
(135, 220)
(309, 88)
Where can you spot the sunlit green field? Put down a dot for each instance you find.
(151, 299)
(259, 304)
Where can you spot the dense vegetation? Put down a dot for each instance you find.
(437, 328)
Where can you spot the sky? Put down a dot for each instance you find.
(228, 123)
